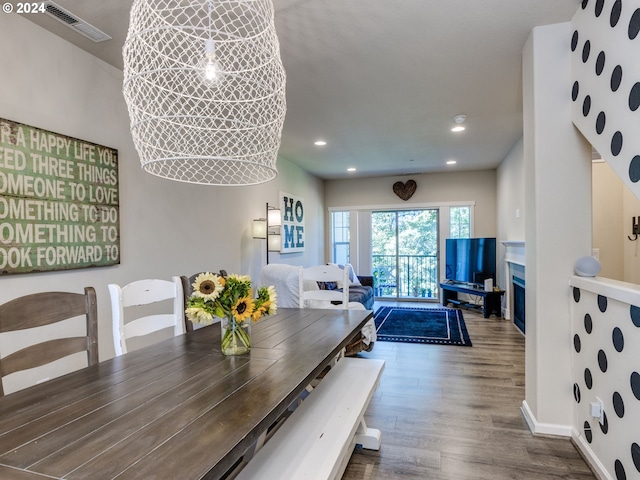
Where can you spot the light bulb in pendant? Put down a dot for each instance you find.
(211, 68)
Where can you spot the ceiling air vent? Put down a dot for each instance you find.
(72, 21)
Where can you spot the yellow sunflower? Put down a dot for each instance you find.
(199, 315)
(259, 312)
(243, 309)
(208, 286)
(240, 278)
(272, 300)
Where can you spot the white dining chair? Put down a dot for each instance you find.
(143, 293)
(322, 297)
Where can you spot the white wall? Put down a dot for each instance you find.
(432, 190)
(608, 232)
(479, 186)
(557, 170)
(630, 208)
(167, 228)
(510, 205)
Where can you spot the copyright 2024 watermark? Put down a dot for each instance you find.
(20, 7)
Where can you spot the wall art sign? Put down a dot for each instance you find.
(59, 201)
(292, 210)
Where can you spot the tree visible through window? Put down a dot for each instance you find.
(460, 222)
(340, 237)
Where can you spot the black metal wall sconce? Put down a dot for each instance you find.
(635, 229)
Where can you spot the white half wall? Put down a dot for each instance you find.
(557, 171)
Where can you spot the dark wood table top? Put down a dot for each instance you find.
(176, 410)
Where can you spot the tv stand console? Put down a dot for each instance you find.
(491, 301)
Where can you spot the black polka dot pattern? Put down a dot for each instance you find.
(618, 404)
(602, 340)
(599, 7)
(586, 50)
(634, 97)
(601, 122)
(635, 455)
(616, 78)
(586, 105)
(587, 432)
(616, 144)
(599, 85)
(614, 18)
(634, 169)
(605, 107)
(588, 378)
(634, 25)
(620, 472)
(618, 339)
(602, 303)
(635, 384)
(634, 312)
(588, 323)
(600, 63)
(604, 424)
(603, 363)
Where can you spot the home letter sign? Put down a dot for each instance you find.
(292, 210)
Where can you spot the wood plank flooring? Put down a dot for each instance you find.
(453, 413)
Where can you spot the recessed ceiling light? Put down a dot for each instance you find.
(320, 143)
(459, 120)
(351, 169)
(451, 162)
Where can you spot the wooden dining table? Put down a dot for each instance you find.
(179, 409)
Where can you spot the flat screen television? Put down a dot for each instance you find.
(470, 260)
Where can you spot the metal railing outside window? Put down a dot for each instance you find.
(418, 277)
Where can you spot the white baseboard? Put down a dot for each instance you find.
(538, 428)
(585, 450)
(578, 440)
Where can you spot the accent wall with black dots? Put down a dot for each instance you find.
(606, 367)
(605, 70)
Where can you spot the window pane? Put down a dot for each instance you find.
(460, 222)
(340, 237)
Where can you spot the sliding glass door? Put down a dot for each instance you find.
(404, 250)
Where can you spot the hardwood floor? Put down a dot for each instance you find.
(453, 413)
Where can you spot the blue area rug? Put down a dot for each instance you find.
(442, 326)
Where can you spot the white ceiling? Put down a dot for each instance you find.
(381, 80)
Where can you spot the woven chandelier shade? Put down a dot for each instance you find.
(190, 128)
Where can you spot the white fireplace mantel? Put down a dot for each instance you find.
(514, 252)
(514, 255)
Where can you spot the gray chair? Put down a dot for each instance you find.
(49, 308)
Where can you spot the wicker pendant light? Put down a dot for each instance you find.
(205, 89)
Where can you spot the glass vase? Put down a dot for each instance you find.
(236, 336)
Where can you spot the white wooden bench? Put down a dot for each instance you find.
(317, 440)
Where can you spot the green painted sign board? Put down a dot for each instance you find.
(59, 201)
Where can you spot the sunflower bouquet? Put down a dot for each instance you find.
(230, 298)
